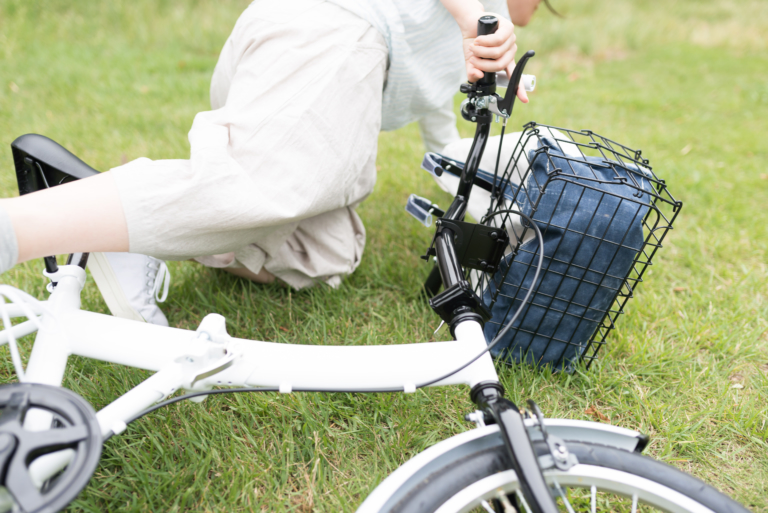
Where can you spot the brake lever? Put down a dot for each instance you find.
(508, 102)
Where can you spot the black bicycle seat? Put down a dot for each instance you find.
(42, 163)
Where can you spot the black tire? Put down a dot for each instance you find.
(456, 475)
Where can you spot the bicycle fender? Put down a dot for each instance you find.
(400, 483)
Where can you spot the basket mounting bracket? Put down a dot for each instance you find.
(477, 246)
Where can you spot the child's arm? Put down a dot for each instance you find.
(494, 52)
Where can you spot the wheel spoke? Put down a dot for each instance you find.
(634, 503)
(508, 507)
(522, 501)
(594, 499)
(564, 497)
(486, 506)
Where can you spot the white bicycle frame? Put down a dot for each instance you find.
(209, 357)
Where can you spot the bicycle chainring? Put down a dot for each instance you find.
(74, 426)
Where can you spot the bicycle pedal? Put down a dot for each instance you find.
(422, 209)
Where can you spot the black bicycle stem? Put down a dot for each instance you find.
(450, 270)
(489, 396)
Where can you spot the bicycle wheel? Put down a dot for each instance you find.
(605, 479)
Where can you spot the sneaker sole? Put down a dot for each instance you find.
(110, 289)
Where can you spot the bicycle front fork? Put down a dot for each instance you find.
(494, 408)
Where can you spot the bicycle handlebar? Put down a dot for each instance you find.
(487, 25)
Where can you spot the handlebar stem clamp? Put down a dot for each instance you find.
(458, 303)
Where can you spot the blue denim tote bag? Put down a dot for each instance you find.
(590, 211)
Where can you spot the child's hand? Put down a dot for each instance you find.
(494, 52)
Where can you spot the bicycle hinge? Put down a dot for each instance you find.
(197, 367)
(225, 362)
(216, 354)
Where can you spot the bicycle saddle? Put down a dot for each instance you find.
(42, 163)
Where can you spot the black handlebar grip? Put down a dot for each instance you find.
(487, 25)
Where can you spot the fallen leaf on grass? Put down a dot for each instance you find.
(680, 289)
(737, 385)
(764, 176)
(596, 414)
(686, 150)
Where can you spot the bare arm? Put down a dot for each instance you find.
(521, 11)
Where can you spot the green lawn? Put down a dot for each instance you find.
(686, 81)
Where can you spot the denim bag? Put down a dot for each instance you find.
(590, 211)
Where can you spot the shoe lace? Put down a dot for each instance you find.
(160, 278)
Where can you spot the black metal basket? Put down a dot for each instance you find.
(603, 214)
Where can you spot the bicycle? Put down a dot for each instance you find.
(50, 438)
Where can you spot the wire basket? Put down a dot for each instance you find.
(603, 214)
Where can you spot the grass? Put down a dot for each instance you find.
(683, 80)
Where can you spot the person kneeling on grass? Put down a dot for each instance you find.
(286, 154)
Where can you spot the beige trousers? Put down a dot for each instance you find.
(278, 166)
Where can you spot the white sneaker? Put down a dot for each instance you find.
(130, 284)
